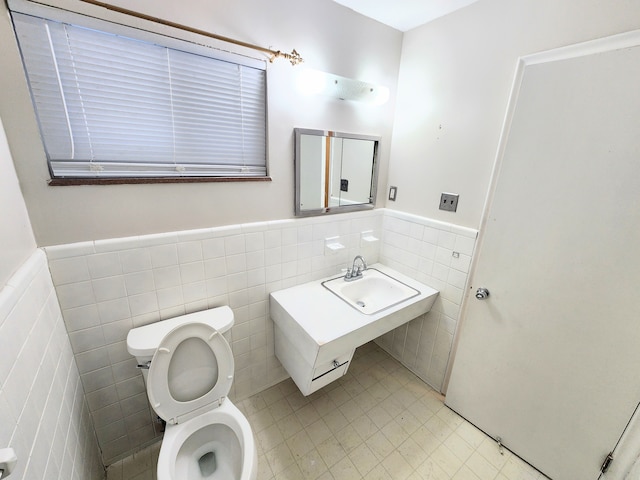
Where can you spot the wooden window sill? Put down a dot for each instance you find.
(60, 182)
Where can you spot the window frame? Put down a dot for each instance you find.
(164, 36)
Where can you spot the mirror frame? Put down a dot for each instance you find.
(340, 208)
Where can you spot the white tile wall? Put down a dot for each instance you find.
(107, 287)
(43, 412)
(438, 254)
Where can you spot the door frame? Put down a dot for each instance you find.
(629, 445)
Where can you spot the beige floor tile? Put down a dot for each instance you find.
(289, 425)
(380, 445)
(465, 474)
(339, 395)
(312, 465)
(394, 433)
(412, 452)
(351, 410)
(379, 473)
(364, 426)
(364, 459)
(345, 470)
(297, 400)
(269, 438)
(287, 386)
(438, 427)
(393, 406)
(279, 458)
(324, 405)
(280, 409)
(451, 418)
(489, 450)
(260, 420)
(336, 420)
(264, 469)
(426, 439)
(397, 466)
(307, 414)
(408, 422)
(379, 416)
(351, 385)
(470, 434)
(446, 460)
(252, 405)
(318, 432)
(348, 438)
(292, 472)
(481, 467)
(379, 392)
(365, 400)
(429, 470)
(272, 395)
(378, 422)
(516, 469)
(331, 451)
(300, 444)
(459, 447)
(326, 476)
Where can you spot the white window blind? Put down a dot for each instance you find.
(113, 106)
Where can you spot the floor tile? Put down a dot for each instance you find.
(378, 422)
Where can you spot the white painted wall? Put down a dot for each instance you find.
(454, 84)
(16, 237)
(330, 37)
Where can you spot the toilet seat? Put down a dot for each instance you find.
(184, 360)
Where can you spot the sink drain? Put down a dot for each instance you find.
(360, 303)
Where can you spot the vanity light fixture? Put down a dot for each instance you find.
(316, 82)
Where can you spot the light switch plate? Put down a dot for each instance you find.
(392, 193)
(449, 202)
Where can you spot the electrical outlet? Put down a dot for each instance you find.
(392, 193)
(449, 202)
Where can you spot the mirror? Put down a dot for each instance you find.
(335, 172)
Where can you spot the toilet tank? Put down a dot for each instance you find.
(142, 342)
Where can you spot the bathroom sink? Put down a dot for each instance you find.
(319, 324)
(372, 293)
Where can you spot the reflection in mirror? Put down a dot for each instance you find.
(335, 172)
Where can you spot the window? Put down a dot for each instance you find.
(110, 104)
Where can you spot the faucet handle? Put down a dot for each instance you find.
(349, 273)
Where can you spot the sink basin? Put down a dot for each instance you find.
(372, 293)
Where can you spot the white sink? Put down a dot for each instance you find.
(372, 293)
(319, 324)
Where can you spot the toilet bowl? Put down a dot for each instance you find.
(188, 370)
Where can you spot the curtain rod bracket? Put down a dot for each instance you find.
(294, 57)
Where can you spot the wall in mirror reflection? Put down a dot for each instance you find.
(334, 171)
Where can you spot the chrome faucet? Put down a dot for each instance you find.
(355, 272)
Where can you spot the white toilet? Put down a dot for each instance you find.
(190, 372)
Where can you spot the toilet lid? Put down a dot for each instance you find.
(190, 373)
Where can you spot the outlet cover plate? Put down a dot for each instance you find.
(449, 202)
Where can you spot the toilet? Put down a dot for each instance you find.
(187, 365)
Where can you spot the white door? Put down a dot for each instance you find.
(550, 361)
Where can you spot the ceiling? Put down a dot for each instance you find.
(404, 15)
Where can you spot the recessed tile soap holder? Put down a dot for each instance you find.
(332, 245)
(368, 238)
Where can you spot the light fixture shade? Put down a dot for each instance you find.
(315, 82)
